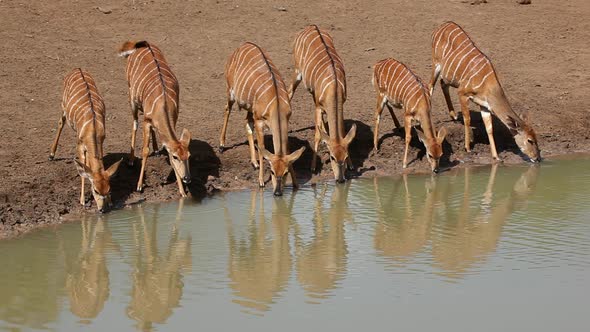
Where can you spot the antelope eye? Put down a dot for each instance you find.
(332, 158)
(530, 141)
(430, 156)
(272, 172)
(175, 157)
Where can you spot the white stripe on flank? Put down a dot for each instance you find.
(271, 102)
(483, 80)
(448, 43)
(460, 61)
(447, 64)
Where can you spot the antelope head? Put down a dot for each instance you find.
(433, 146)
(100, 182)
(525, 138)
(179, 155)
(338, 152)
(279, 167)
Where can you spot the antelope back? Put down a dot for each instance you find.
(254, 81)
(400, 85)
(83, 106)
(461, 63)
(318, 63)
(151, 81)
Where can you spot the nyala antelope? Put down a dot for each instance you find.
(83, 108)
(254, 82)
(153, 90)
(460, 64)
(397, 86)
(322, 72)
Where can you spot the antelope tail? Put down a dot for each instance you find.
(129, 47)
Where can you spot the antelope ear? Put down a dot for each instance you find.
(323, 134)
(442, 133)
(351, 134)
(295, 155)
(185, 137)
(83, 170)
(265, 153)
(113, 169)
(421, 136)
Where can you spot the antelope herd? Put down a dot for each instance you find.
(254, 82)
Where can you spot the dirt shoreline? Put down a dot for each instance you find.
(540, 52)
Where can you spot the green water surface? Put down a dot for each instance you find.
(493, 248)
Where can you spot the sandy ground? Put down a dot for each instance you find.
(541, 52)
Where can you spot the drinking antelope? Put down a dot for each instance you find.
(322, 71)
(397, 86)
(255, 83)
(153, 90)
(460, 64)
(83, 108)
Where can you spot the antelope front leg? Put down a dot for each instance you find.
(60, 126)
(249, 132)
(228, 107)
(144, 154)
(134, 111)
(445, 90)
(154, 143)
(408, 130)
(395, 121)
(318, 137)
(259, 127)
(378, 110)
(486, 115)
(82, 200)
(295, 80)
(464, 100)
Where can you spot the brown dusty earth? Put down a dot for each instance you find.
(541, 52)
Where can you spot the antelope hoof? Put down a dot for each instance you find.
(454, 116)
(221, 148)
(139, 189)
(51, 157)
(255, 165)
(497, 160)
(261, 185)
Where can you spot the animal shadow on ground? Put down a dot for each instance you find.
(203, 163)
(302, 165)
(502, 136)
(124, 182)
(445, 162)
(361, 146)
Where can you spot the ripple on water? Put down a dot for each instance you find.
(398, 243)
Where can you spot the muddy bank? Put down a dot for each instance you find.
(197, 37)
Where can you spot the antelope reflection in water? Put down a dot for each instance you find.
(459, 237)
(260, 262)
(475, 233)
(87, 280)
(321, 264)
(157, 278)
(400, 239)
